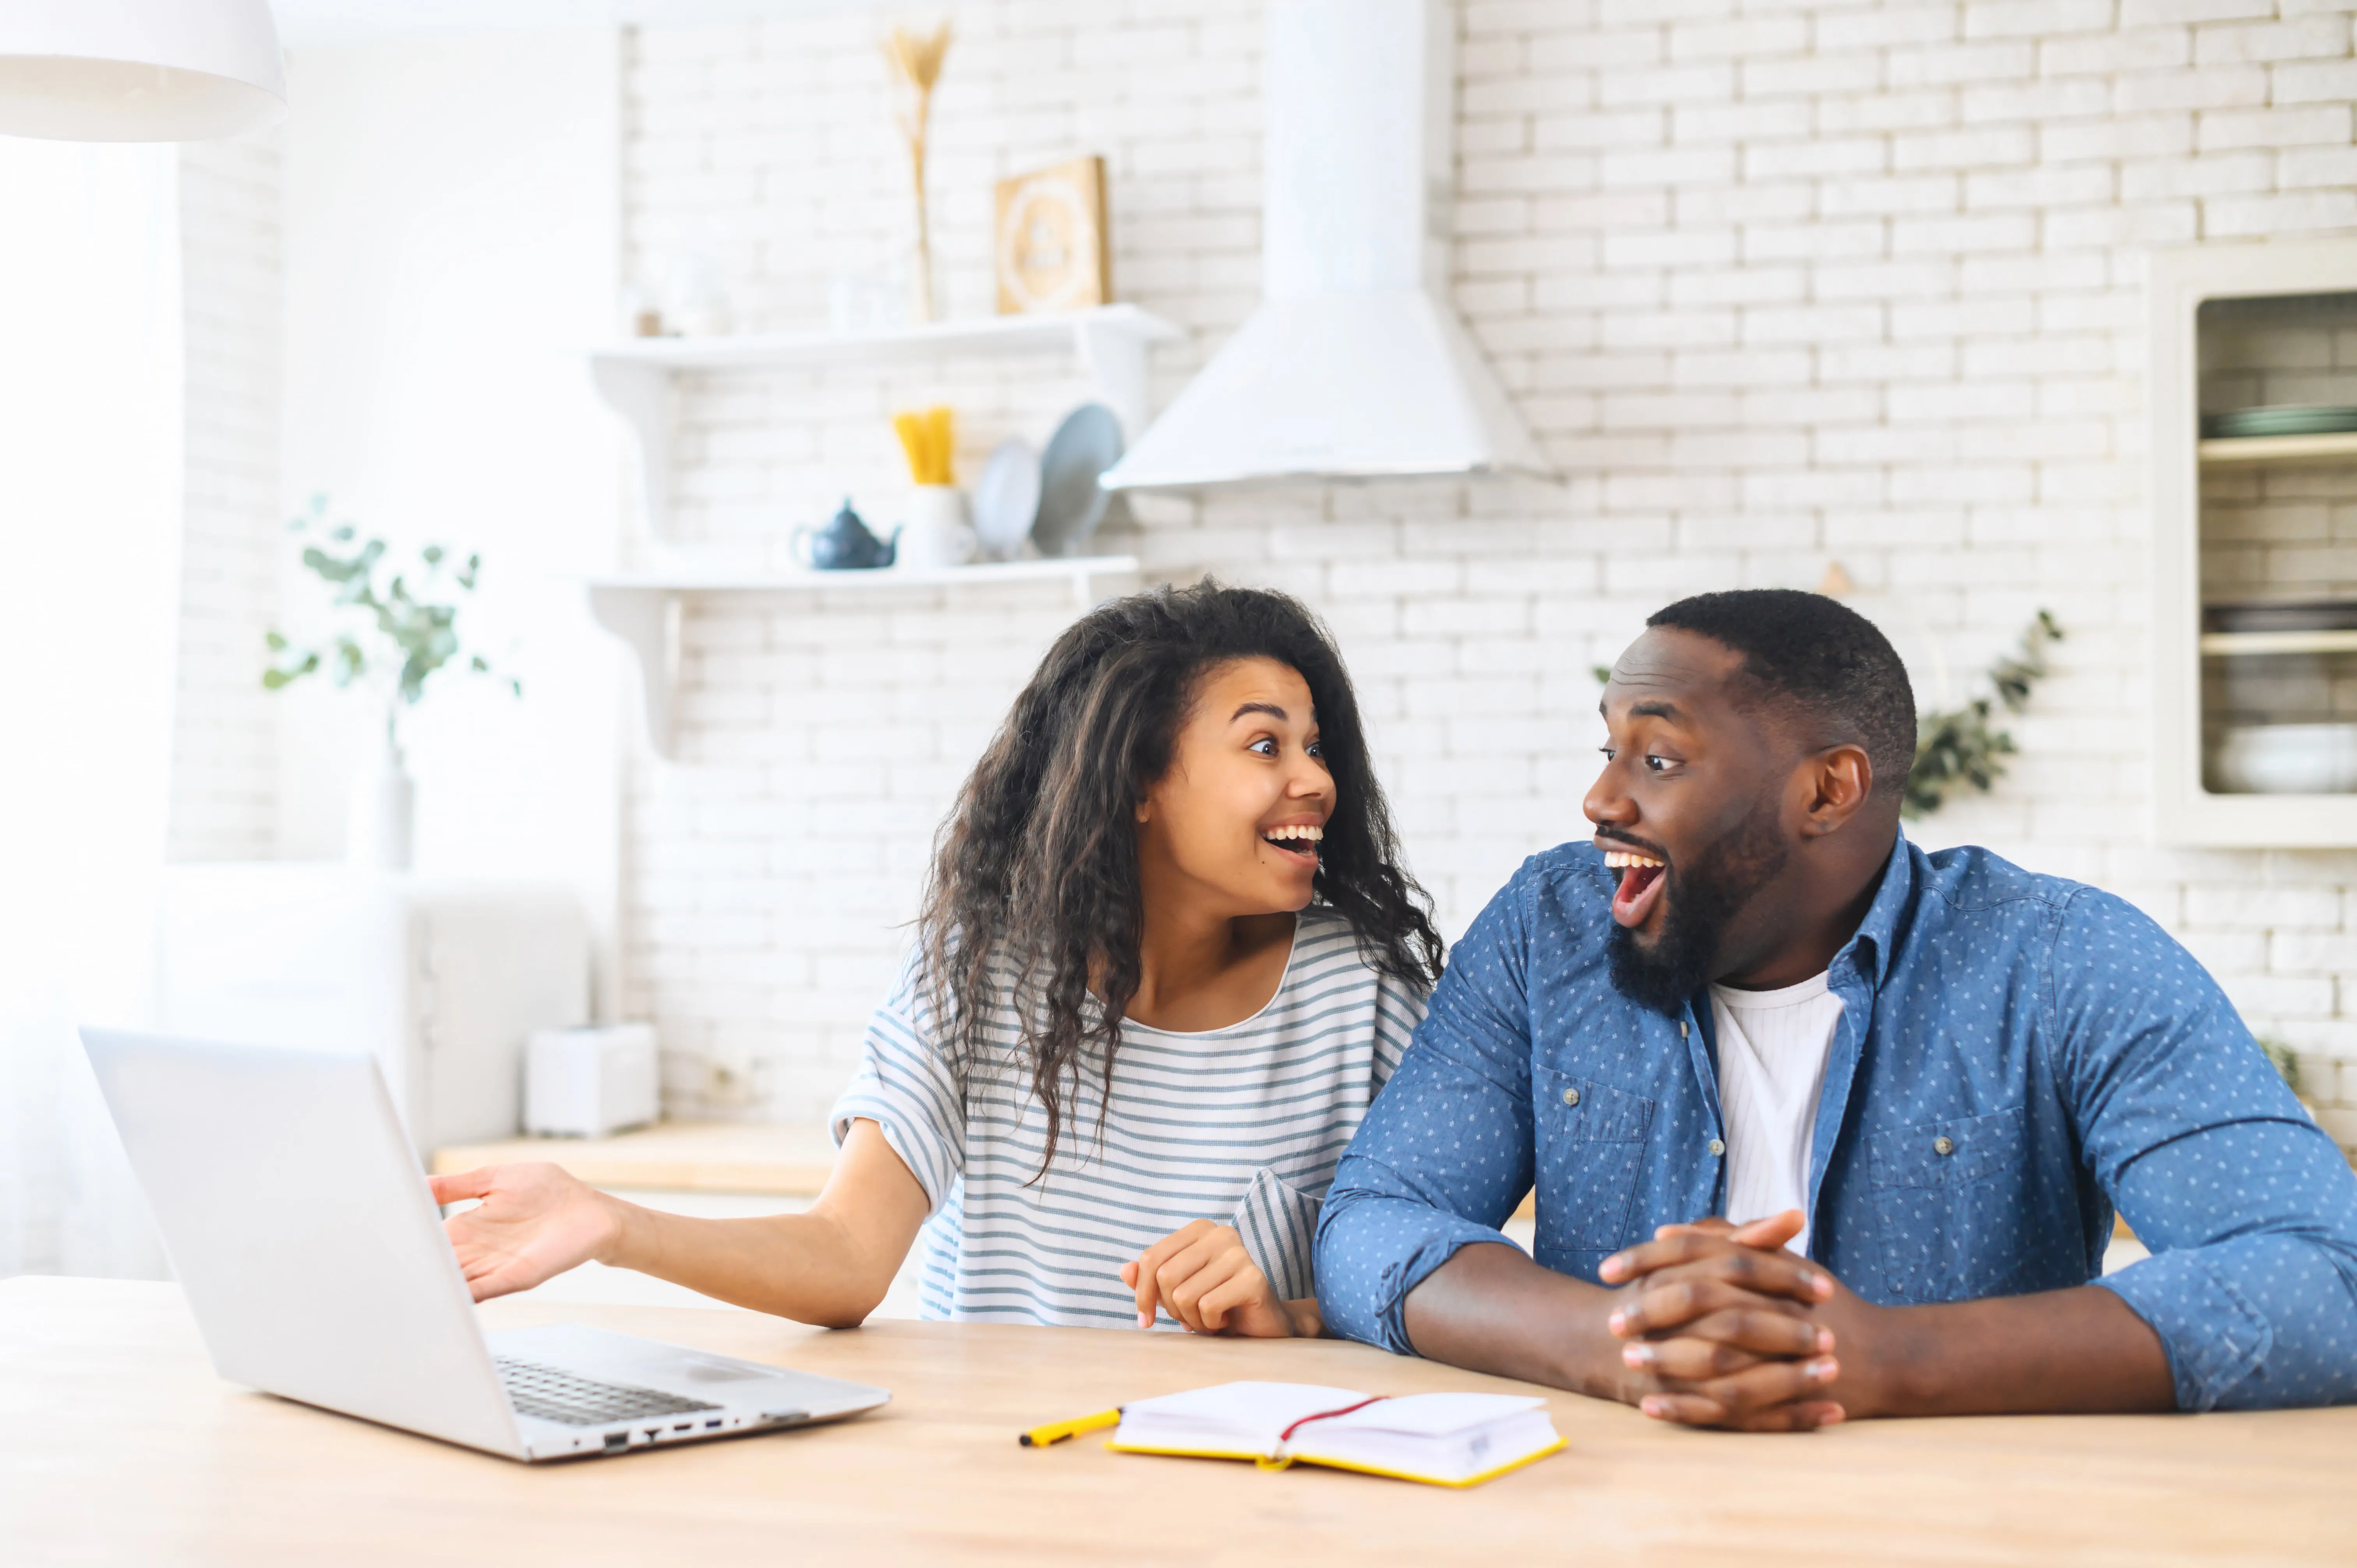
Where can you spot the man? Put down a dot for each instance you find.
(1753, 1015)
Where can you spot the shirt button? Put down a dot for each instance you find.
(1571, 1097)
(1944, 1145)
(1718, 1147)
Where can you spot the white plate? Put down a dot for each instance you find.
(1006, 500)
(1071, 503)
(2288, 759)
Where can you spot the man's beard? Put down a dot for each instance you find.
(1702, 899)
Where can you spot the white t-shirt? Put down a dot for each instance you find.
(1771, 1065)
(1242, 1126)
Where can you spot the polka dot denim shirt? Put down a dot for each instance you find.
(2016, 1055)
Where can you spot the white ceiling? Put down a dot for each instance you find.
(305, 21)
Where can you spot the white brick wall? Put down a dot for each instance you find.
(223, 752)
(1778, 285)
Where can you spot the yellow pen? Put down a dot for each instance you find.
(1056, 1430)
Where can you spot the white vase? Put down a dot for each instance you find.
(378, 835)
(938, 534)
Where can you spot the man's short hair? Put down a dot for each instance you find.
(1822, 663)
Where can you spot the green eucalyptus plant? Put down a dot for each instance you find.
(2286, 1062)
(395, 636)
(1960, 747)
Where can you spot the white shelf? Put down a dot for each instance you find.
(644, 609)
(2224, 451)
(639, 378)
(978, 335)
(2232, 643)
(1077, 570)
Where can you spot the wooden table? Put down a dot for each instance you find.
(119, 1445)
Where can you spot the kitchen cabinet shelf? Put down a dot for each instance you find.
(2229, 644)
(639, 378)
(2227, 451)
(2241, 325)
(644, 609)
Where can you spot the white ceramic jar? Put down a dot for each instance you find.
(938, 532)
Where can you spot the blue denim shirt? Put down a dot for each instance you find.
(2017, 1054)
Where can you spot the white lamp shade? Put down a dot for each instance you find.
(138, 71)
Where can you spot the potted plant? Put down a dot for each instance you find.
(389, 641)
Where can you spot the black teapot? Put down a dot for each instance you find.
(845, 545)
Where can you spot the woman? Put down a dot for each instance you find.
(1165, 958)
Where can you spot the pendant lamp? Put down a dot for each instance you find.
(138, 71)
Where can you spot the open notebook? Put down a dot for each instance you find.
(1450, 1440)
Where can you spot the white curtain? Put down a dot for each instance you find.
(90, 417)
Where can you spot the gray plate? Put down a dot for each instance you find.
(2283, 419)
(1006, 500)
(1071, 502)
(2282, 615)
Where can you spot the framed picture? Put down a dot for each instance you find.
(1051, 250)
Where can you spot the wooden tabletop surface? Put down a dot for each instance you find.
(119, 1445)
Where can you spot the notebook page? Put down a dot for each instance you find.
(1244, 1417)
(1429, 1415)
(1452, 1456)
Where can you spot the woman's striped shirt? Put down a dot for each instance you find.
(1242, 1126)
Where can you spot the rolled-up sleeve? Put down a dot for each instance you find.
(1444, 1152)
(2250, 1211)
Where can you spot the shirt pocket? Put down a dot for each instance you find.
(1945, 1191)
(1591, 1147)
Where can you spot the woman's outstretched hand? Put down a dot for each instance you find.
(1201, 1275)
(534, 1222)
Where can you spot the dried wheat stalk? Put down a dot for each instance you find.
(916, 62)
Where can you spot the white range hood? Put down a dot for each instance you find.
(1354, 366)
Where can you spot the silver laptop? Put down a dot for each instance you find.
(314, 1258)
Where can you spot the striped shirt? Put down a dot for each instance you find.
(1242, 1126)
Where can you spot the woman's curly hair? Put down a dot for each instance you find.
(1036, 866)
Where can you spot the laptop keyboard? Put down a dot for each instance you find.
(550, 1393)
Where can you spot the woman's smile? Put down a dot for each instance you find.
(1296, 839)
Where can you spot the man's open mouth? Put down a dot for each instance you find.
(1640, 885)
(1299, 840)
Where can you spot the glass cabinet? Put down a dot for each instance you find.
(2255, 506)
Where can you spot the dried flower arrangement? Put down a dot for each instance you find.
(915, 59)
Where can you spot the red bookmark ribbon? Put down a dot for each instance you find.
(1280, 1459)
(1287, 1435)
